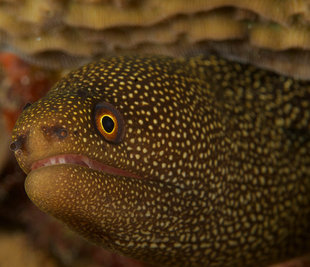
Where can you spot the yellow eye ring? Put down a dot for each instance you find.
(109, 122)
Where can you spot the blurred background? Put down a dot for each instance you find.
(41, 40)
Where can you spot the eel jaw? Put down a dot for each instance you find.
(82, 161)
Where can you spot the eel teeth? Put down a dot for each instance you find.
(82, 161)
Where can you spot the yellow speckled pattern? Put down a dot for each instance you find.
(221, 149)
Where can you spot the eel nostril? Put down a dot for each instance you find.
(14, 146)
(27, 106)
(61, 132)
(55, 131)
(18, 144)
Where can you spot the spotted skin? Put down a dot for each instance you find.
(220, 150)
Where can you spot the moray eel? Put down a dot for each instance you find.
(174, 161)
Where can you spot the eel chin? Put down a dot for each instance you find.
(109, 210)
(69, 178)
(83, 198)
(61, 182)
(54, 188)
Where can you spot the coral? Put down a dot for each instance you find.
(21, 83)
(86, 29)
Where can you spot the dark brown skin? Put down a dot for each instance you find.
(214, 155)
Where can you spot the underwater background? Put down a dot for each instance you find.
(40, 41)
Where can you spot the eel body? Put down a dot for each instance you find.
(176, 162)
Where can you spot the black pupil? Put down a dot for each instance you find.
(108, 124)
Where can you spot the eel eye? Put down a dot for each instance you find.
(109, 122)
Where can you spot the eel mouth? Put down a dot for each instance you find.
(81, 160)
